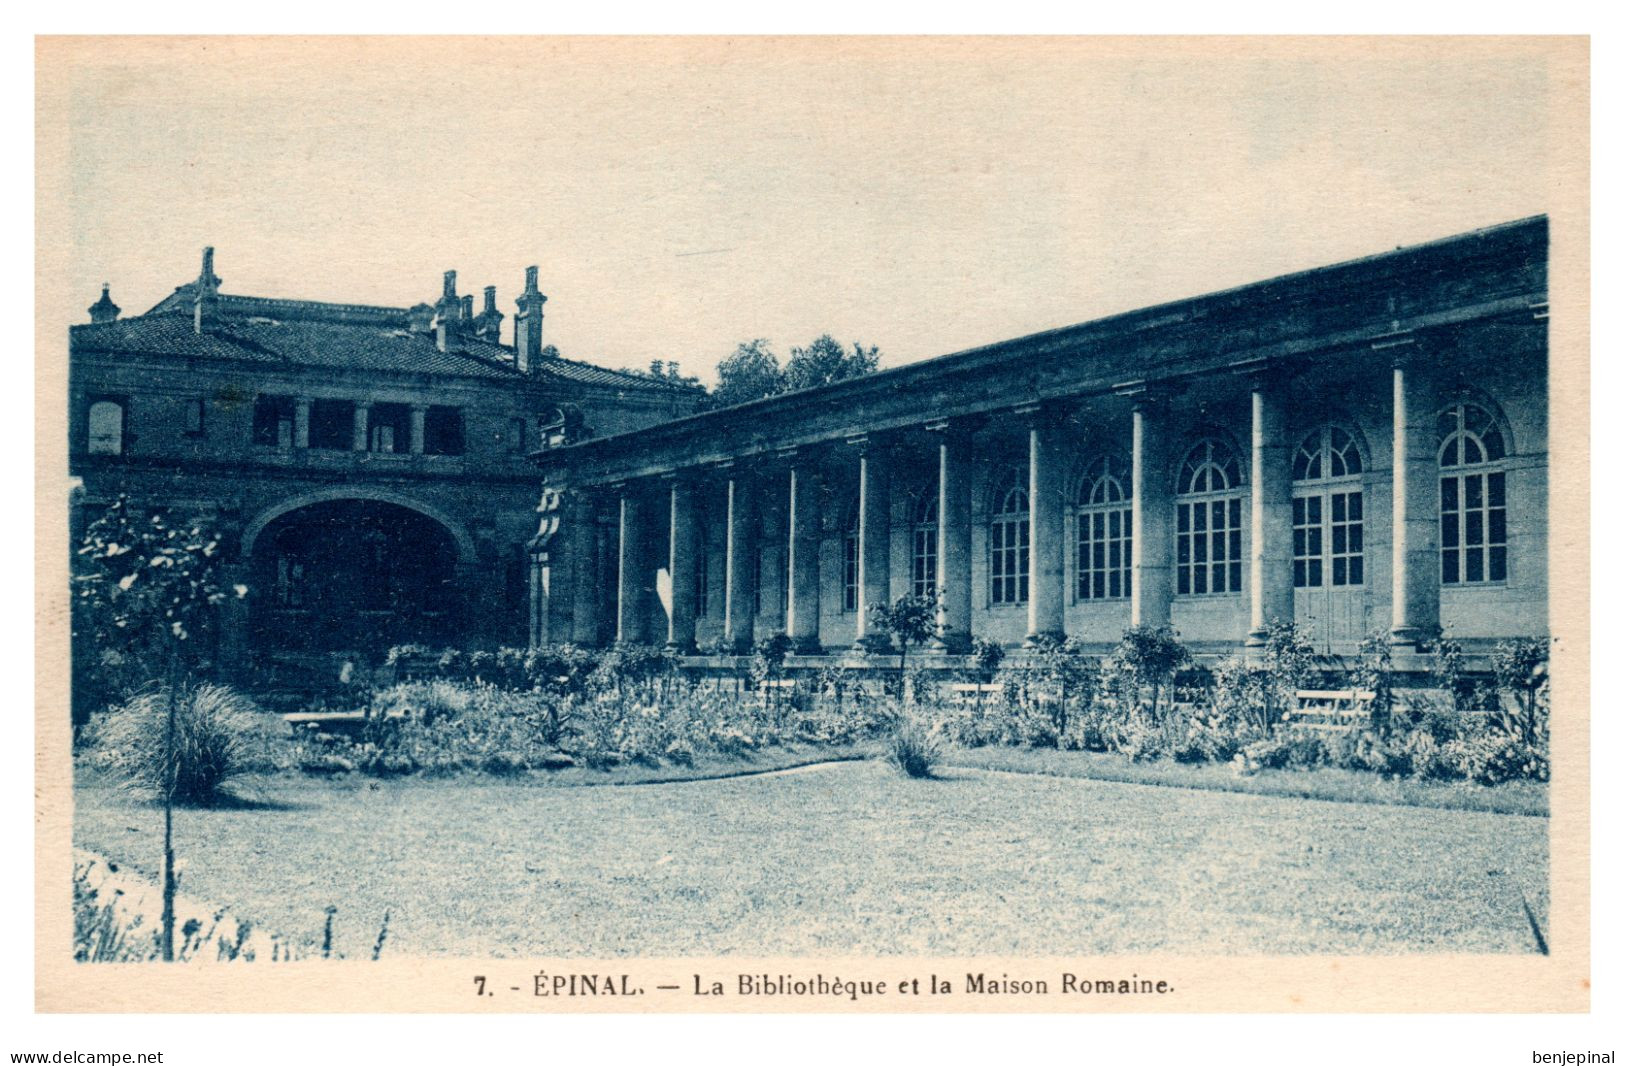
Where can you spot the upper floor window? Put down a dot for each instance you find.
(389, 428)
(192, 423)
(1208, 521)
(273, 421)
(1009, 542)
(923, 546)
(1328, 511)
(443, 431)
(105, 428)
(1105, 532)
(1472, 497)
(332, 425)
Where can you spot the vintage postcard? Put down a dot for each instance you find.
(832, 524)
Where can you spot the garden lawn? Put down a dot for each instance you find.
(849, 858)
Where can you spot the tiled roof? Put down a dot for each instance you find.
(344, 336)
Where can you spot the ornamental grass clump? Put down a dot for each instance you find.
(218, 734)
(914, 748)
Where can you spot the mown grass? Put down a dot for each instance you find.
(1322, 783)
(846, 859)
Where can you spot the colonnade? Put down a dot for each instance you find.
(796, 473)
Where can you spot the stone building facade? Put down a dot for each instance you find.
(366, 464)
(1360, 448)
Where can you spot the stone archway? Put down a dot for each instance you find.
(353, 575)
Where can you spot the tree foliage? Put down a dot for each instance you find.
(144, 587)
(824, 361)
(911, 620)
(750, 373)
(753, 372)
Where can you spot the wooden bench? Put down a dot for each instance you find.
(1330, 710)
(344, 723)
(775, 691)
(969, 693)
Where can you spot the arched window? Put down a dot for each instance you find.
(1472, 497)
(849, 565)
(1208, 521)
(106, 428)
(1105, 531)
(1008, 546)
(1328, 511)
(923, 545)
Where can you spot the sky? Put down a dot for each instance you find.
(681, 196)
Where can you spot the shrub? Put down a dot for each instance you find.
(1287, 751)
(913, 748)
(1147, 657)
(911, 620)
(219, 734)
(985, 656)
(1520, 667)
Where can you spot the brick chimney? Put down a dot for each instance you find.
(488, 326)
(420, 318)
(527, 326)
(448, 313)
(104, 310)
(206, 302)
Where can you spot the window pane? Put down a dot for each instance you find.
(1315, 573)
(1498, 490)
(1475, 564)
(1235, 577)
(1300, 574)
(1447, 494)
(1450, 565)
(1340, 571)
(106, 436)
(1498, 564)
(1357, 570)
(1450, 530)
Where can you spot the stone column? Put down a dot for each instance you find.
(680, 565)
(738, 615)
(953, 536)
(540, 552)
(419, 413)
(630, 601)
(1416, 504)
(874, 529)
(801, 570)
(1153, 553)
(540, 597)
(1271, 551)
(586, 615)
(301, 422)
(359, 441)
(1046, 559)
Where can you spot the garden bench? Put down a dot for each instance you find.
(969, 693)
(348, 723)
(1331, 710)
(778, 691)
